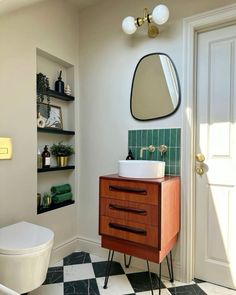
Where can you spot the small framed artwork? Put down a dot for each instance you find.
(51, 116)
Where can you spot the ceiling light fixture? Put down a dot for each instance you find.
(159, 16)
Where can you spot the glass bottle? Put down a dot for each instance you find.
(46, 157)
(130, 156)
(39, 160)
(59, 84)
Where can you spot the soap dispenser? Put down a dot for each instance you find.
(130, 156)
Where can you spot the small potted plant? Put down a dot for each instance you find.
(62, 151)
(47, 200)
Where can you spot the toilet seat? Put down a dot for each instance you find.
(24, 238)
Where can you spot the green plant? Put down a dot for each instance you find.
(61, 150)
(42, 86)
(47, 200)
(46, 195)
(42, 89)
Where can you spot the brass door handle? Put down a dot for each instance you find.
(200, 158)
(199, 170)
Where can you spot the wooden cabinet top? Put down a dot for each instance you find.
(151, 180)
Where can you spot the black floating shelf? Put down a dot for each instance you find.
(40, 170)
(58, 95)
(41, 210)
(56, 131)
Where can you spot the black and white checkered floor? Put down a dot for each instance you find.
(83, 274)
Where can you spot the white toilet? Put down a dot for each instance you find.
(25, 250)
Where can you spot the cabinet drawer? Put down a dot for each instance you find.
(130, 231)
(136, 191)
(126, 210)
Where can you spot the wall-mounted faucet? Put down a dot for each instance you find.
(162, 149)
(151, 148)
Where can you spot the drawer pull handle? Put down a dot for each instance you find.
(127, 209)
(125, 189)
(130, 229)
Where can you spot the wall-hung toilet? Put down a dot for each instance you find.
(25, 250)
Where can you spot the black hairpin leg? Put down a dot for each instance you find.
(125, 262)
(150, 278)
(159, 277)
(108, 268)
(170, 267)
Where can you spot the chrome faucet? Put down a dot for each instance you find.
(151, 148)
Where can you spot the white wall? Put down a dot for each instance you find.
(107, 59)
(51, 26)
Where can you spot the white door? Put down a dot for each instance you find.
(215, 247)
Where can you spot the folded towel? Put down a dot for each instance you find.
(56, 199)
(60, 189)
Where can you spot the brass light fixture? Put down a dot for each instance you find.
(159, 16)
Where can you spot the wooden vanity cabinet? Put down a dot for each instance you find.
(139, 217)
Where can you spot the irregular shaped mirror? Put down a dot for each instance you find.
(155, 91)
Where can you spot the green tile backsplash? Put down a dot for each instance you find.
(169, 137)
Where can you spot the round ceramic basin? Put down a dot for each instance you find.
(141, 169)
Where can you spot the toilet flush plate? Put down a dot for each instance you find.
(5, 148)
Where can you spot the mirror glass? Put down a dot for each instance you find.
(155, 91)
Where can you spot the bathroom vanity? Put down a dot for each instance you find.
(139, 217)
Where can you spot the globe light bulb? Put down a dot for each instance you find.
(128, 25)
(160, 14)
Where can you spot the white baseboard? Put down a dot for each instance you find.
(62, 250)
(94, 247)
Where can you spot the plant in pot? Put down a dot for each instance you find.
(42, 94)
(62, 151)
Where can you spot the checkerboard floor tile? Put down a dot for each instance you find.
(83, 274)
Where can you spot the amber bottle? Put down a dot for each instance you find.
(46, 157)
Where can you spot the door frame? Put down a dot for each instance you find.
(191, 27)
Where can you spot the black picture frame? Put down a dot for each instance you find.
(51, 114)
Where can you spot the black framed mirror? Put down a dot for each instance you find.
(155, 91)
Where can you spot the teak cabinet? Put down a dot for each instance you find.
(139, 217)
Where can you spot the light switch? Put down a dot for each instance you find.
(5, 148)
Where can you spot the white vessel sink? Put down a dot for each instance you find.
(141, 169)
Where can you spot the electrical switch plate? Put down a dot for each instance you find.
(5, 148)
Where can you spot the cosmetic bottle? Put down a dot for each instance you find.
(59, 84)
(46, 157)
